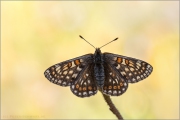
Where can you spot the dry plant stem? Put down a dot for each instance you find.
(113, 109)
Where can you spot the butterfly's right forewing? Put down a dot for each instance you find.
(67, 72)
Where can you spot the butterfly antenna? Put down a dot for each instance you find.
(86, 40)
(109, 42)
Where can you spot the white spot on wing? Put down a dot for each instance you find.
(133, 79)
(123, 61)
(126, 69)
(114, 92)
(90, 92)
(109, 91)
(123, 73)
(81, 60)
(89, 81)
(73, 64)
(84, 93)
(72, 86)
(59, 81)
(130, 74)
(79, 69)
(138, 78)
(58, 69)
(74, 75)
(64, 83)
(118, 66)
(84, 83)
(70, 72)
(132, 69)
(145, 75)
(137, 66)
(65, 72)
(114, 82)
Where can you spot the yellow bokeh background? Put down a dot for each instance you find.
(38, 34)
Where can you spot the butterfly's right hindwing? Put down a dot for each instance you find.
(67, 72)
(85, 85)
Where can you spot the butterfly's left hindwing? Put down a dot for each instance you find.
(114, 83)
(67, 72)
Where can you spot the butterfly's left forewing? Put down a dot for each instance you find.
(67, 72)
(132, 70)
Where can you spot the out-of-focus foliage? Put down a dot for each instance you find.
(38, 34)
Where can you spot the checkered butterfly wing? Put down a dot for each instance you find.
(85, 86)
(114, 83)
(131, 69)
(121, 70)
(73, 73)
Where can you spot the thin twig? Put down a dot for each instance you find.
(112, 107)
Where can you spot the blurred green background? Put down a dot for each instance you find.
(38, 34)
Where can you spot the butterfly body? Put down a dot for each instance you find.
(107, 71)
(99, 67)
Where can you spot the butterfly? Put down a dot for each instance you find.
(107, 72)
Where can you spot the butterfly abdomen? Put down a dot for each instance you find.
(99, 74)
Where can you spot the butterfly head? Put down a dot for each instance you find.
(98, 51)
(98, 56)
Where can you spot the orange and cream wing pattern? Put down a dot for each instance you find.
(85, 85)
(114, 83)
(132, 70)
(67, 72)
